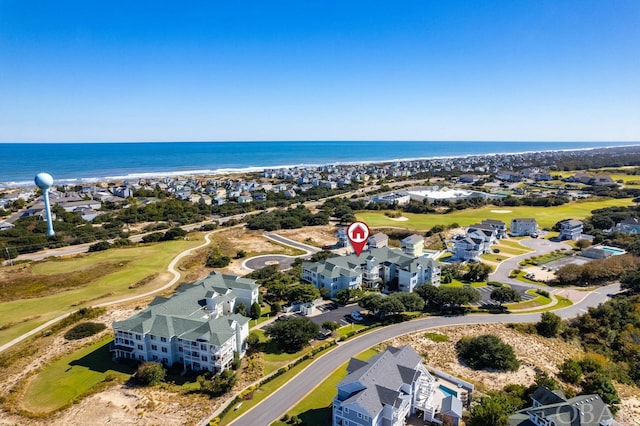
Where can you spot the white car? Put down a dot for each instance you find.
(356, 316)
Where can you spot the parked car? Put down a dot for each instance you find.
(356, 316)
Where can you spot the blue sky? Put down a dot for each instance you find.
(319, 70)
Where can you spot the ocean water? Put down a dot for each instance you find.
(86, 162)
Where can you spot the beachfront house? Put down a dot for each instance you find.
(389, 388)
(570, 229)
(194, 328)
(521, 227)
(375, 268)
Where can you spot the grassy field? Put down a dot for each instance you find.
(545, 216)
(72, 376)
(134, 265)
(315, 408)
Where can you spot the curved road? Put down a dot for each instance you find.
(170, 268)
(297, 388)
(540, 245)
(259, 262)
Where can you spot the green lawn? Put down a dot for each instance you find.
(315, 408)
(63, 381)
(137, 264)
(545, 216)
(533, 303)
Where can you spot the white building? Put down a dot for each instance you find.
(390, 387)
(521, 227)
(373, 268)
(393, 198)
(195, 327)
(570, 229)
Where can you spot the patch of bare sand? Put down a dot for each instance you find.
(500, 211)
(399, 219)
(536, 353)
(317, 236)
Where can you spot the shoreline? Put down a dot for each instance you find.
(222, 171)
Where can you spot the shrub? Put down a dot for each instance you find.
(487, 351)
(495, 284)
(549, 325)
(84, 329)
(150, 373)
(543, 293)
(101, 246)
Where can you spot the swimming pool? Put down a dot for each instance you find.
(612, 250)
(447, 392)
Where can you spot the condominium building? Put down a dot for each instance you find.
(195, 327)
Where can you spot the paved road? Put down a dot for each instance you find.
(296, 244)
(259, 262)
(540, 245)
(296, 389)
(170, 268)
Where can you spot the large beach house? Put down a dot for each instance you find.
(374, 268)
(195, 327)
(392, 386)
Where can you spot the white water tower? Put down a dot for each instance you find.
(44, 181)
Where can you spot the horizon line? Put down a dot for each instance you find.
(324, 140)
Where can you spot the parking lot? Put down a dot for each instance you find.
(334, 312)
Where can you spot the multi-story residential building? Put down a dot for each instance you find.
(387, 389)
(552, 408)
(570, 229)
(413, 245)
(499, 226)
(628, 226)
(521, 227)
(378, 240)
(486, 232)
(373, 268)
(468, 248)
(195, 327)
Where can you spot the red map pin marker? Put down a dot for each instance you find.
(358, 233)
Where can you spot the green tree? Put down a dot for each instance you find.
(389, 306)
(330, 325)
(410, 301)
(240, 254)
(255, 311)
(505, 295)
(600, 383)
(487, 351)
(429, 294)
(631, 281)
(491, 410)
(276, 308)
(150, 373)
(302, 293)
(253, 340)
(477, 272)
(291, 334)
(343, 296)
(571, 371)
(241, 309)
(549, 324)
(458, 296)
(370, 302)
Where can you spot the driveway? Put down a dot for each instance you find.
(540, 246)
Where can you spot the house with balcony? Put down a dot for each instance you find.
(553, 408)
(195, 327)
(499, 226)
(375, 268)
(521, 227)
(630, 226)
(468, 248)
(570, 229)
(389, 388)
(413, 245)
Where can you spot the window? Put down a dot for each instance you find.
(366, 417)
(154, 347)
(164, 350)
(346, 410)
(155, 357)
(163, 339)
(204, 358)
(138, 337)
(141, 357)
(203, 347)
(152, 337)
(140, 347)
(165, 360)
(359, 415)
(180, 349)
